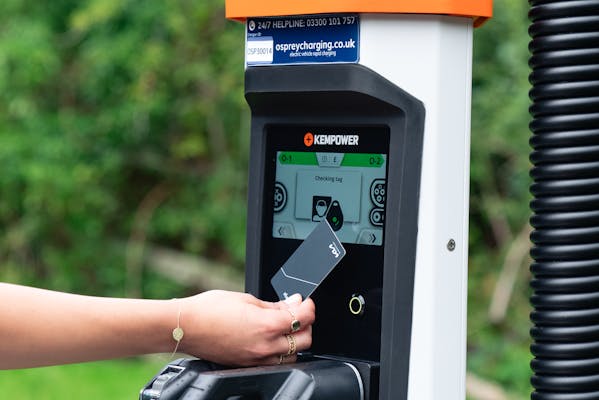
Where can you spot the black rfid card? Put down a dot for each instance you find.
(307, 267)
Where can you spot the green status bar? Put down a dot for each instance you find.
(349, 159)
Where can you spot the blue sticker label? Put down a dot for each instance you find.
(303, 39)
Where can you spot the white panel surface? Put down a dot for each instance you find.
(430, 57)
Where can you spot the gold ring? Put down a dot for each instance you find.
(295, 324)
(292, 344)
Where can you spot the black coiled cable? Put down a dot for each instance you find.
(565, 141)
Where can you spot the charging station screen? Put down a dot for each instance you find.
(346, 186)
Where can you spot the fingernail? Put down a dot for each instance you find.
(295, 299)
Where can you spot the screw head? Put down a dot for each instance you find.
(451, 245)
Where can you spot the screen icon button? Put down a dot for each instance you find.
(280, 197)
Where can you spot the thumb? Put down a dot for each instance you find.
(294, 300)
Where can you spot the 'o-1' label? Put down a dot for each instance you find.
(303, 39)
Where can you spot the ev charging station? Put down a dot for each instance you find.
(360, 115)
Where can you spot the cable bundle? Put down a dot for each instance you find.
(565, 141)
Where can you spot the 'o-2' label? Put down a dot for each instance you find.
(303, 39)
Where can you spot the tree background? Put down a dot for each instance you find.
(124, 136)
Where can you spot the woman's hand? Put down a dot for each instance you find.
(238, 329)
(41, 327)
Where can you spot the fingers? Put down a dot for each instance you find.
(304, 339)
(264, 304)
(287, 347)
(292, 343)
(287, 328)
(289, 336)
(279, 305)
(295, 299)
(303, 312)
(284, 313)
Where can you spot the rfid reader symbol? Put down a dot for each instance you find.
(325, 207)
(280, 197)
(308, 139)
(335, 216)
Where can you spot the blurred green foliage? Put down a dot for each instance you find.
(114, 380)
(107, 108)
(124, 121)
(499, 197)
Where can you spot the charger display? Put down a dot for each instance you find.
(348, 188)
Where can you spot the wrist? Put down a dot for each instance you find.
(178, 332)
(164, 320)
(181, 322)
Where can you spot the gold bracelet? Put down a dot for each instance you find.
(178, 331)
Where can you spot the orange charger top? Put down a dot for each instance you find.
(480, 10)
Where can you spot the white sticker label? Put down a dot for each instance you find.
(260, 50)
(303, 39)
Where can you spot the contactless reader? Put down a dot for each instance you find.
(360, 123)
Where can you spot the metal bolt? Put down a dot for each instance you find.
(451, 245)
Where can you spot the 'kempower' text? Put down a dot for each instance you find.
(339, 140)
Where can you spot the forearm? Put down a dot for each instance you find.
(40, 327)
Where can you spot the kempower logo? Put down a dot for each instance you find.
(337, 140)
(308, 139)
